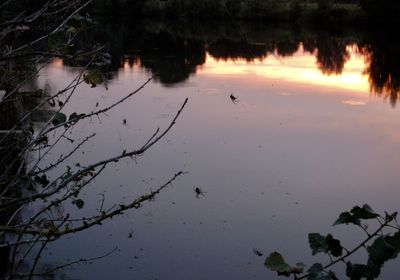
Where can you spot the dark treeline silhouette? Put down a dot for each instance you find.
(384, 11)
(172, 51)
(225, 49)
(331, 53)
(331, 11)
(381, 50)
(171, 59)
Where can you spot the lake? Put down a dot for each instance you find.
(314, 131)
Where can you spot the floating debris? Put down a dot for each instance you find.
(257, 253)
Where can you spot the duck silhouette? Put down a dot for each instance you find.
(233, 98)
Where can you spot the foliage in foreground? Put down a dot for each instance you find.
(381, 245)
(36, 190)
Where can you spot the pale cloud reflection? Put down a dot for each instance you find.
(354, 102)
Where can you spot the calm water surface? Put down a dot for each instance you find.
(314, 133)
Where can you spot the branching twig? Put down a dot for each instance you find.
(55, 30)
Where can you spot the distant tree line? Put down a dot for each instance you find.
(282, 10)
(382, 10)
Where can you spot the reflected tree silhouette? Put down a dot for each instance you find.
(227, 49)
(172, 59)
(331, 54)
(172, 53)
(383, 66)
(287, 48)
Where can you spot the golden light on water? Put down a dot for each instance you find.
(299, 68)
(57, 62)
(127, 66)
(131, 64)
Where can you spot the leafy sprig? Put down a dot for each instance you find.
(381, 245)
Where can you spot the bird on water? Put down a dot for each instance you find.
(233, 98)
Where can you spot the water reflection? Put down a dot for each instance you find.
(383, 65)
(331, 54)
(298, 147)
(300, 68)
(242, 50)
(173, 52)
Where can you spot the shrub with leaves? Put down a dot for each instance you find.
(381, 245)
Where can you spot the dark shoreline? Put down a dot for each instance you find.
(302, 12)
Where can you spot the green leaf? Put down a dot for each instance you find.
(317, 272)
(394, 241)
(74, 117)
(72, 30)
(59, 118)
(334, 246)
(275, 262)
(325, 244)
(365, 212)
(390, 217)
(93, 78)
(317, 243)
(357, 271)
(79, 203)
(355, 215)
(347, 218)
(384, 248)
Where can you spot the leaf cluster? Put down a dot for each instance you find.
(381, 247)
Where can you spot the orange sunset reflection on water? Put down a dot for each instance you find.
(299, 68)
(308, 132)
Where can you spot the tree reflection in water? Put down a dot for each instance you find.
(381, 53)
(173, 51)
